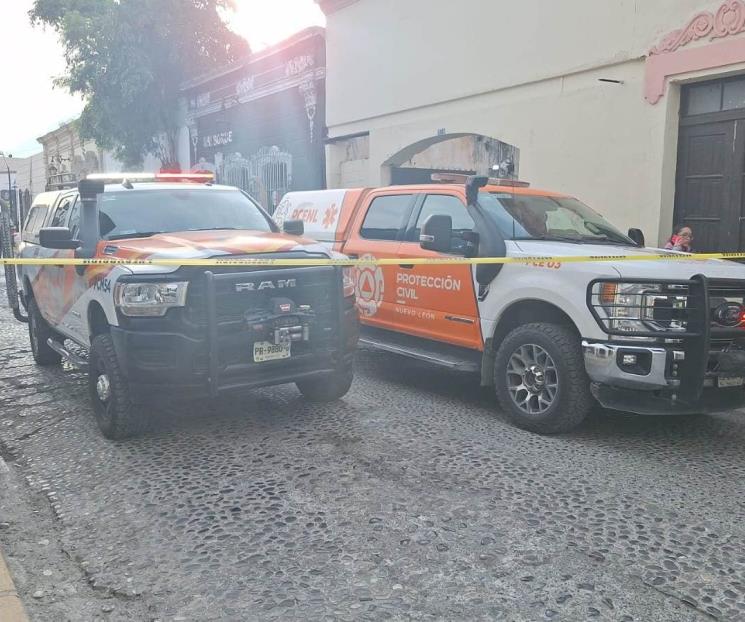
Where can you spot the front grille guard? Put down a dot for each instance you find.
(213, 320)
(695, 340)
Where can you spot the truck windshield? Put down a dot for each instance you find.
(525, 217)
(140, 213)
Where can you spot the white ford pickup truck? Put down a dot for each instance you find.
(552, 337)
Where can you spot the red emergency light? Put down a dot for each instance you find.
(194, 177)
(199, 176)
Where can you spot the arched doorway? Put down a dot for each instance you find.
(473, 154)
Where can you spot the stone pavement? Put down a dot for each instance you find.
(410, 499)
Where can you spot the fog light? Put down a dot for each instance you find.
(634, 362)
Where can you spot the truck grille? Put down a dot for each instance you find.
(249, 305)
(726, 304)
(675, 309)
(309, 287)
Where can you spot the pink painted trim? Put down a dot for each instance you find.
(728, 20)
(661, 67)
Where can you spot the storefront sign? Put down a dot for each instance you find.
(217, 140)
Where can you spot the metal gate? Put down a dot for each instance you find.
(266, 175)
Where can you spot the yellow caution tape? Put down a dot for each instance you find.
(392, 261)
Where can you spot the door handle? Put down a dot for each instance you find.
(407, 266)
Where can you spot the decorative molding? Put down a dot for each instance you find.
(661, 67)
(255, 57)
(727, 21)
(310, 96)
(270, 89)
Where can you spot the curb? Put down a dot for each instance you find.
(11, 607)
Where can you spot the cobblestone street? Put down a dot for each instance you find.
(410, 499)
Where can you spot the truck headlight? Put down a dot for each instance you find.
(640, 307)
(149, 299)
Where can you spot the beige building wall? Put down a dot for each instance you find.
(31, 174)
(65, 152)
(527, 73)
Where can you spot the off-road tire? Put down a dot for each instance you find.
(6, 251)
(573, 400)
(117, 417)
(38, 333)
(328, 388)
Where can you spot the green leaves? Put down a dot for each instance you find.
(127, 58)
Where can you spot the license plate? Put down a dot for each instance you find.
(265, 351)
(723, 383)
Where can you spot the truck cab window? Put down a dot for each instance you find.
(73, 222)
(551, 218)
(448, 205)
(60, 214)
(385, 217)
(138, 213)
(35, 220)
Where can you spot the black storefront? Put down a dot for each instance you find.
(260, 125)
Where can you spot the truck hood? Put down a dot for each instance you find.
(682, 269)
(204, 245)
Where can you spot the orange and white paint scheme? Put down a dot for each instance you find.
(433, 302)
(446, 304)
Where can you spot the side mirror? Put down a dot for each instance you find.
(436, 234)
(57, 238)
(637, 236)
(293, 227)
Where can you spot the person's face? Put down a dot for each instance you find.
(686, 234)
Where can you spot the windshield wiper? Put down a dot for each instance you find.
(137, 234)
(604, 239)
(556, 238)
(214, 229)
(607, 234)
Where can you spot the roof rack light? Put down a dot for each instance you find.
(201, 177)
(459, 178)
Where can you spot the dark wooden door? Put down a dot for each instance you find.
(711, 170)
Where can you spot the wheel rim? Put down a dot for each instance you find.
(102, 393)
(103, 388)
(532, 379)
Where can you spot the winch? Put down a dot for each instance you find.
(284, 322)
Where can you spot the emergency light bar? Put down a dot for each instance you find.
(201, 177)
(459, 178)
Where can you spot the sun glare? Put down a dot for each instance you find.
(266, 22)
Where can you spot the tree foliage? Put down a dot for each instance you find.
(128, 58)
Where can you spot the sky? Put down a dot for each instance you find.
(31, 57)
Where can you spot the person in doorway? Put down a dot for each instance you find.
(681, 240)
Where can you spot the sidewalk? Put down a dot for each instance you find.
(11, 608)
